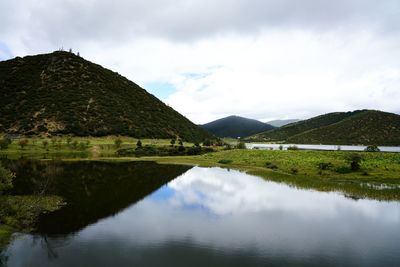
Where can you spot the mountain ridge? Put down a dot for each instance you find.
(62, 93)
(346, 128)
(235, 126)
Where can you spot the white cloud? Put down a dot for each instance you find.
(261, 59)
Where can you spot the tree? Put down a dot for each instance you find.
(118, 142)
(139, 144)
(69, 140)
(53, 141)
(180, 142)
(23, 143)
(173, 141)
(207, 142)
(6, 178)
(45, 143)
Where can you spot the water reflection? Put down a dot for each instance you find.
(216, 217)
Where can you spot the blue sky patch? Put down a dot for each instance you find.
(162, 90)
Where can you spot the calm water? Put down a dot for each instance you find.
(320, 147)
(144, 214)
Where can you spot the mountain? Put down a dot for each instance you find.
(356, 127)
(61, 93)
(280, 123)
(235, 126)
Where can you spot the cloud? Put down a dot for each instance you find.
(257, 58)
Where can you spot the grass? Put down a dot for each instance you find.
(378, 178)
(94, 146)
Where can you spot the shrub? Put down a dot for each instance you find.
(241, 145)
(292, 148)
(372, 148)
(343, 170)
(271, 166)
(355, 160)
(324, 166)
(294, 171)
(4, 143)
(280, 147)
(225, 161)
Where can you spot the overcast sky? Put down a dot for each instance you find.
(262, 59)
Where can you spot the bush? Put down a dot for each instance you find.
(241, 145)
(294, 171)
(225, 161)
(292, 148)
(324, 166)
(271, 166)
(343, 170)
(4, 143)
(355, 160)
(23, 143)
(372, 148)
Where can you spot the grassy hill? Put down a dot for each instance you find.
(356, 127)
(235, 126)
(369, 127)
(61, 93)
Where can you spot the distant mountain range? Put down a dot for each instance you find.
(235, 126)
(61, 93)
(280, 123)
(357, 127)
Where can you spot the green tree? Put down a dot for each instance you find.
(6, 179)
(118, 142)
(45, 143)
(69, 140)
(173, 141)
(75, 144)
(139, 144)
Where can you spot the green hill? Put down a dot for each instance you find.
(235, 126)
(356, 127)
(370, 127)
(61, 93)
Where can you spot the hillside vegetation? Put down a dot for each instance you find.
(357, 127)
(61, 93)
(235, 126)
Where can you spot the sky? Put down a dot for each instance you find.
(261, 59)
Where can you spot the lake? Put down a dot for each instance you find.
(319, 147)
(146, 214)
